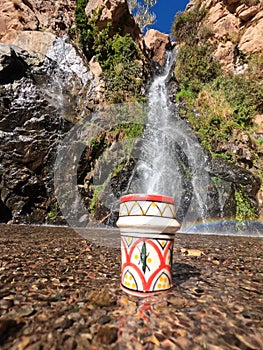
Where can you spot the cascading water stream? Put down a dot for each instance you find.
(68, 74)
(172, 162)
(168, 160)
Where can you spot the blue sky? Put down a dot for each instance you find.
(165, 11)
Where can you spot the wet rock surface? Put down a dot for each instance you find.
(39, 103)
(61, 291)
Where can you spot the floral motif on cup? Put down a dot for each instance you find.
(146, 263)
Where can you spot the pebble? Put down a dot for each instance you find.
(57, 298)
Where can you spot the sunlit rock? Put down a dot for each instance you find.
(116, 13)
(237, 28)
(40, 42)
(38, 15)
(251, 41)
(157, 44)
(258, 121)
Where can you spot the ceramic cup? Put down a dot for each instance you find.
(147, 225)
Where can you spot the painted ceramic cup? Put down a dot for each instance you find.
(147, 224)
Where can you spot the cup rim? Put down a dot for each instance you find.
(147, 197)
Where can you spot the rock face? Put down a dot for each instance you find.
(117, 13)
(157, 44)
(258, 121)
(47, 87)
(38, 103)
(17, 16)
(32, 40)
(238, 28)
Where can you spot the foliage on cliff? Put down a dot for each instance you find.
(219, 105)
(119, 59)
(221, 101)
(117, 54)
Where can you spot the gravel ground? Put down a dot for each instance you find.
(61, 291)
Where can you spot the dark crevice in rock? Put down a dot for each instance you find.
(14, 68)
(5, 213)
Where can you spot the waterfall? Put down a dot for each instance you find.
(67, 84)
(172, 162)
(154, 164)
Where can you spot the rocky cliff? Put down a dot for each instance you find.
(228, 32)
(237, 26)
(48, 86)
(28, 18)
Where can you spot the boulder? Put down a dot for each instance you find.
(38, 15)
(239, 178)
(225, 52)
(258, 121)
(117, 13)
(11, 66)
(241, 146)
(98, 84)
(223, 22)
(248, 13)
(14, 62)
(15, 16)
(251, 41)
(157, 44)
(112, 11)
(35, 41)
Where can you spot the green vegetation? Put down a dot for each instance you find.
(52, 215)
(53, 212)
(94, 202)
(141, 11)
(122, 73)
(255, 66)
(218, 105)
(131, 130)
(244, 209)
(186, 26)
(117, 54)
(244, 94)
(196, 67)
(85, 29)
(98, 143)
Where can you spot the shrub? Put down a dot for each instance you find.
(84, 28)
(244, 209)
(212, 120)
(186, 25)
(196, 66)
(255, 66)
(118, 55)
(243, 94)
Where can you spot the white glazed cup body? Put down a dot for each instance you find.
(147, 225)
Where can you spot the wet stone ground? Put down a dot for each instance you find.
(60, 291)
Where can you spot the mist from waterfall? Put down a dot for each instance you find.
(171, 162)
